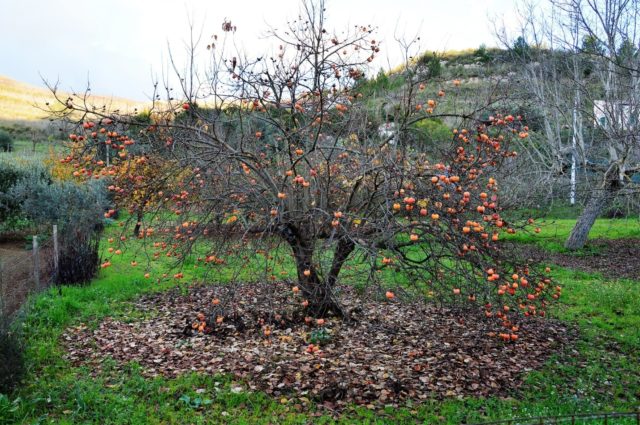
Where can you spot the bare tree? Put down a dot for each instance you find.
(583, 70)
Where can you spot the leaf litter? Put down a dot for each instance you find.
(388, 352)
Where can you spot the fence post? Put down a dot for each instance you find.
(36, 263)
(1, 293)
(56, 251)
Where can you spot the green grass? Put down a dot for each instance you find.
(553, 232)
(600, 373)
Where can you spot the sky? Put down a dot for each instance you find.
(121, 46)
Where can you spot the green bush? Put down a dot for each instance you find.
(10, 175)
(6, 141)
(521, 48)
(11, 357)
(433, 130)
(432, 62)
(78, 211)
(482, 54)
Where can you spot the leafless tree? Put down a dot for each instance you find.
(582, 67)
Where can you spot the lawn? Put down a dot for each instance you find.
(600, 372)
(554, 231)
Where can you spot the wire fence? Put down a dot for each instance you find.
(613, 418)
(26, 270)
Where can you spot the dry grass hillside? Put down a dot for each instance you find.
(21, 102)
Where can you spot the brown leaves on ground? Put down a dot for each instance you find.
(390, 352)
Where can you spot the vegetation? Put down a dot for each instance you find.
(30, 197)
(58, 392)
(12, 364)
(26, 104)
(77, 210)
(299, 166)
(313, 204)
(6, 141)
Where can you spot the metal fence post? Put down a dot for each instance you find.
(36, 263)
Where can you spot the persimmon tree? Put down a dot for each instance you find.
(283, 148)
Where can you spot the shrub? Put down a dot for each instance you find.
(433, 130)
(10, 175)
(11, 356)
(432, 63)
(482, 54)
(77, 209)
(521, 48)
(6, 141)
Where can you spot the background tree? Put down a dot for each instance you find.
(585, 79)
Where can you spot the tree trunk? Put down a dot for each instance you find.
(599, 200)
(136, 229)
(316, 290)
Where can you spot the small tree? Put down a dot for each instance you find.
(289, 153)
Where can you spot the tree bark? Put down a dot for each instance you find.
(599, 200)
(316, 290)
(136, 229)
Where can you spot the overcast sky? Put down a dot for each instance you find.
(121, 45)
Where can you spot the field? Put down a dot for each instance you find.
(22, 103)
(598, 372)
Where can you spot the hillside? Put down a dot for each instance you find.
(21, 102)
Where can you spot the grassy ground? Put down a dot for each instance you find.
(553, 232)
(601, 373)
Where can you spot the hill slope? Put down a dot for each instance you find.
(24, 102)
